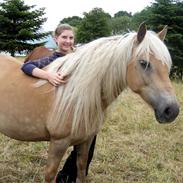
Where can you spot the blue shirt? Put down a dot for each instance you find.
(28, 67)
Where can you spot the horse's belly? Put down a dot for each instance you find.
(23, 129)
(22, 117)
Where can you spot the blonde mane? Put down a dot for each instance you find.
(97, 75)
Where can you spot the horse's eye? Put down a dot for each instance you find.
(144, 64)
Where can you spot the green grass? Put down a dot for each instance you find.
(131, 148)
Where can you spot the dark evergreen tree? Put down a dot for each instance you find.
(20, 27)
(170, 12)
(140, 17)
(95, 24)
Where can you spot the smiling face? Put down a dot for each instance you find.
(65, 41)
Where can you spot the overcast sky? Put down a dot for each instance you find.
(56, 10)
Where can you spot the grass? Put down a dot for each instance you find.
(134, 148)
(131, 148)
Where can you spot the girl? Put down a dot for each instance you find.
(64, 38)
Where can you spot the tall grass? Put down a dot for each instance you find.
(131, 148)
(134, 148)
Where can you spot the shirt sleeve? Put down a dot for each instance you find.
(29, 66)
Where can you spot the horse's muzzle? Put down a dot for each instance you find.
(167, 113)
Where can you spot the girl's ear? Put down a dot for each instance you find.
(55, 39)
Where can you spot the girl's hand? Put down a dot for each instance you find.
(55, 79)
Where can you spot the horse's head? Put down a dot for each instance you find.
(148, 74)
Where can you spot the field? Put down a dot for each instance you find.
(131, 148)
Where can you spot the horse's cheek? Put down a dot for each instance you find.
(134, 78)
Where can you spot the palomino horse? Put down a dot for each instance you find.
(73, 113)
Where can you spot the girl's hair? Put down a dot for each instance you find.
(60, 28)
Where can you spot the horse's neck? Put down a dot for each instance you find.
(111, 92)
(114, 81)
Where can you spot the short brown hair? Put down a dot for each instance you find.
(61, 27)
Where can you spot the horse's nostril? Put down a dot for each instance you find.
(168, 111)
(167, 114)
(171, 112)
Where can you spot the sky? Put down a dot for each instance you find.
(56, 10)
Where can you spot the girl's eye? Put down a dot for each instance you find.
(144, 64)
(66, 37)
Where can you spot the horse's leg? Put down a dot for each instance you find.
(90, 154)
(56, 151)
(82, 158)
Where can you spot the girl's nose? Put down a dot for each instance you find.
(68, 40)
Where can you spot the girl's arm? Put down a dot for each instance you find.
(54, 78)
(34, 68)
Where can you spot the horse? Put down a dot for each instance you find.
(73, 113)
(38, 52)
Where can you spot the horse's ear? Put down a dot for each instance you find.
(141, 32)
(162, 33)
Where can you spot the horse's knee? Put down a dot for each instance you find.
(56, 151)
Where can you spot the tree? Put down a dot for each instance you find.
(122, 13)
(140, 17)
(73, 21)
(19, 26)
(95, 24)
(170, 12)
(120, 24)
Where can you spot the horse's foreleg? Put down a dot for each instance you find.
(82, 157)
(56, 151)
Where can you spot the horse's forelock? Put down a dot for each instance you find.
(152, 44)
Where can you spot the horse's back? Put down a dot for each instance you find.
(5, 61)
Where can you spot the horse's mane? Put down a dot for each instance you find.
(152, 44)
(97, 75)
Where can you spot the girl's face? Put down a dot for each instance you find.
(65, 41)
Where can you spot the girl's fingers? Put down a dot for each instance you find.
(57, 79)
(60, 80)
